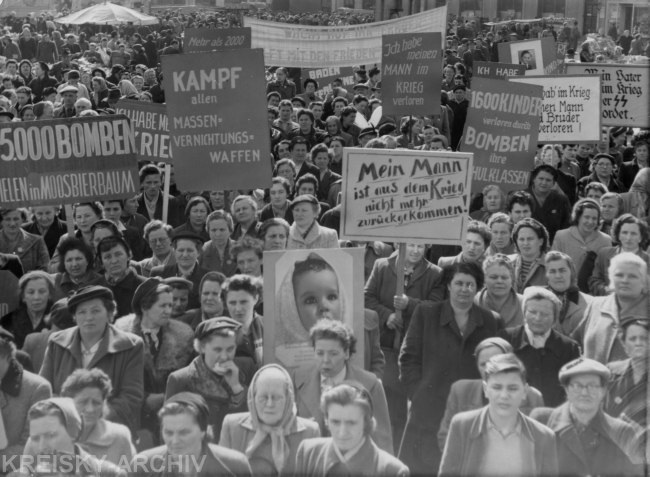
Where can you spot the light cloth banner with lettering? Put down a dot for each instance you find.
(490, 69)
(571, 107)
(501, 131)
(625, 90)
(64, 161)
(217, 119)
(151, 128)
(538, 56)
(408, 61)
(198, 40)
(325, 76)
(405, 196)
(303, 46)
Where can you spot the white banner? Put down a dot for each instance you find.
(303, 46)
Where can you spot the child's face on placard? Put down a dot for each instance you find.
(317, 297)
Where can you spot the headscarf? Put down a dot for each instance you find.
(279, 447)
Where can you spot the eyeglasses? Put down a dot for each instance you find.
(578, 388)
(158, 240)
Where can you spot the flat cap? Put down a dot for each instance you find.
(369, 130)
(601, 155)
(583, 366)
(179, 282)
(303, 198)
(69, 89)
(205, 328)
(634, 320)
(88, 293)
(145, 289)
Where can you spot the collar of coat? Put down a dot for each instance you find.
(113, 341)
(480, 426)
(553, 342)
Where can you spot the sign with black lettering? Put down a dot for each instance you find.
(405, 196)
(408, 61)
(151, 128)
(198, 40)
(501, 131)
(216, 104)
(67, 160)
(490, 69)
(625, 90)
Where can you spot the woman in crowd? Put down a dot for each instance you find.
(468, 394)
(550, 206)
(36, 295)
(532, 242)
(196, 213)
(210, 298)
(334, 344)
(216, 252)
(611, 207)
(89, 389)
(493, 202)
(219, 200)
(247, 256)
(631, 235)
(244, 211)
(26, 113)
(551, 154)
(628, 278)
(501, 226)
(184, 420)
(29, 248)
(561, 276)
(19, 389)
(349, 411)
(99, 94)
(286, 168)
(437, 351)
(84, 215)
(305, 232)
(583, 235)
(25, 71)
(321, 158)
(336, 146)
(75, 269)
(595, 190)
(334, 129)
(279, 194)
(499, 294)
(95, 343)
(215, 374)
(275, 234)
(604, 173)
(270, 432)
(410, 127)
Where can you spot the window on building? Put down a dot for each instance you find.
(368, 4)
(348, 3)
(470, 8)
(510, 9)
(551, 8)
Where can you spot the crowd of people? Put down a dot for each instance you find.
(138, 338)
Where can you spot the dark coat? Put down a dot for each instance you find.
(307, 168)
(174, 213)
(196, 277)
(466, 446)
(433, 356)
(613, 186)
(610, 458)
(543, 365)
(554, 214)
(19, 324)
(123, 291)
(52, 236)
(626, 174)
(267, 213)
(325, 182)
(210, 259)
(30, 249)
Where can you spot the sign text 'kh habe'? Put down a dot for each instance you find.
(151, 128)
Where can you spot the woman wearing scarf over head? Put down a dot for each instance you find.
(270, 433)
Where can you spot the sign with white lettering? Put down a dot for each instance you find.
(405, 196)
(151, 128)
(198, 40)
(490, 69)
(67, 160)
(571, 107)
(325, 76)
(217, 119)
(625, 90)
(501, 131)
(407, 63)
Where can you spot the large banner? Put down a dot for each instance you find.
(198, 40)
(490, 69)
(538, 56)
(302, 46)
(151, 128)
(405, 196)
(408, 62)
(571, 108)
(501, 131)
(67, 161)
(303, 286)
(625, 90)
(217, 119)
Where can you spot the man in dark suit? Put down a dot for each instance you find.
(299, 150)
(150, 201)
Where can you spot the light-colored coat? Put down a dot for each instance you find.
(30, 249)
(318, 237)
(571, 242)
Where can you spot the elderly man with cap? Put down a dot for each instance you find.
(69, 97)
(589, 441)
(96, 343)
(54, 427)
(305, 232)
(184, 420)
(41, 81)
(366, 135)
(168, 343)
(216, 374)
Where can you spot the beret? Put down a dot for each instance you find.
(145, 289)
(68, 89)
(178, 282)
(213, 324)
(187, 235)
(44, 66)
(88, 293)
(303, 198)
(368, 130)
(634, 320)
(617, 131)
(583, 366)
(298, 98)
(60, 315)
(194, 400)
(387, 128)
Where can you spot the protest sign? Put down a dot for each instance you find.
(198, 40)
(538, 56)
(489, 69)
(303, 46)
(151, 128)
(405, 196)
(67, 160)
(408, 60)
(217, 119)
(571, 108)
(8, 292)
(625, 91)
(325, 76)
(340, 275)
(501, 131)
